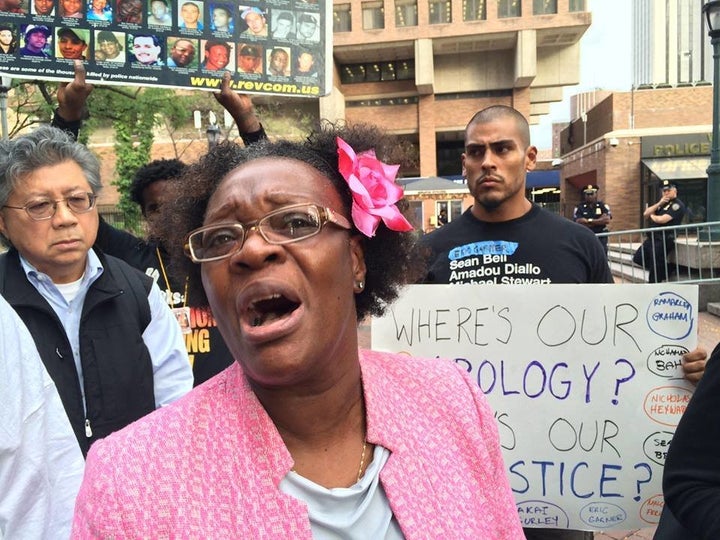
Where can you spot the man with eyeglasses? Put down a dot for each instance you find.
(108, 340)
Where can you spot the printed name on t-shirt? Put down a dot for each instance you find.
(490, 263)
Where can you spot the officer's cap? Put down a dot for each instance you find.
(667, 184)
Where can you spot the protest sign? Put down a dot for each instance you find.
(585, 381)
(271, 47)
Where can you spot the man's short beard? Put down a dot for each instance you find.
(490, 205)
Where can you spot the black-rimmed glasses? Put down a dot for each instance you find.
(282, 226)
(41, 209)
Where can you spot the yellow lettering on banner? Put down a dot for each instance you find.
(201, 318)
(198, 341)
(191, 357)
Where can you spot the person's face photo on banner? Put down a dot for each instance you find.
(12, 6)
(255, 21)
(8, 42)
(279, 62)
(250, 59)
(71, 9)
(36, 39)
(182, 52)
(99, 10)
(43, 7)
(284, 27)
(306, 65)
(146, 49)
(221, 18)
(218, 56)
(308, 27)
(160, 14)
(72, 43)
(110, 45)
(130, 11)
(191, 15)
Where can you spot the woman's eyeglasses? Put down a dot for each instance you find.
(282, 226)
(41, 209)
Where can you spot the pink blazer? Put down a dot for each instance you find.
(209, 465)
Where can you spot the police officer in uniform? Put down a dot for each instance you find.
(667, 212)
(594, 214)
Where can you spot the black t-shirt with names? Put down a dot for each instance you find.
(537, 248)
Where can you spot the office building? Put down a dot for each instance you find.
(421, 68)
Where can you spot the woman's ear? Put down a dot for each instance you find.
(358, 262)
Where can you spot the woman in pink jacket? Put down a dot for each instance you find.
(305, 436)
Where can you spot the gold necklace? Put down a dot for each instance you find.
(362, 460)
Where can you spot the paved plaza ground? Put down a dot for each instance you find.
(708, 337)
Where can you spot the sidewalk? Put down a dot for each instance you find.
(708, 337)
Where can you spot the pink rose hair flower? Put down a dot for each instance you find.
(373, 188)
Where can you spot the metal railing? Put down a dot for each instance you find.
(681, 251)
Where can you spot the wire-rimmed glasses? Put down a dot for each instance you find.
(282, 226)
(41, 209)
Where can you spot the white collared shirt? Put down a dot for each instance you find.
(41, 465)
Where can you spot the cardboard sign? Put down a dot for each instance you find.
(585, 380)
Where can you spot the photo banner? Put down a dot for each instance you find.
(280, 47)
(585, 380)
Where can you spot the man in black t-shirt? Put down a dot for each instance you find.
(504, 238)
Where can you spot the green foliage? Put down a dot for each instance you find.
(134, 113)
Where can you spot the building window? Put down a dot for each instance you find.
(445, 212)
(352, 73)
(372, 72)
(544, 7)
(577, 5)
(398, 70)
(387, 102)
(509, 8)
(373, 14)
(440, 11)
(387, 71)
(342, 22)
(474, 10)
(406, 13)
(405, 70)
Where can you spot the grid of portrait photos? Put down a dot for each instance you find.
(273, 46)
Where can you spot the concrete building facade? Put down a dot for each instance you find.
(422, 68)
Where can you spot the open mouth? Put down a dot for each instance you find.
(270, 309)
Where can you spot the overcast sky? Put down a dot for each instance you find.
(605, 62)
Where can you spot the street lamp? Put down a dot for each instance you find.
(712, 15)
(5, 84)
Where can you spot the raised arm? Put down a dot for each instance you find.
(72, 100)
(241, 109)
